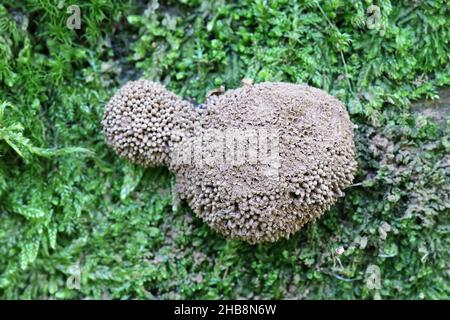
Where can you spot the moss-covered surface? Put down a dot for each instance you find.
(78, 222)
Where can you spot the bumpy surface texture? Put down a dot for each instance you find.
(141, 122)
(300, 170)
(255, 163)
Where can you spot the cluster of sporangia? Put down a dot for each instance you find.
(307, 133)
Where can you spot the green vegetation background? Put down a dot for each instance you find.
(78, 222)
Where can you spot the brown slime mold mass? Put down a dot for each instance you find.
(255, 163)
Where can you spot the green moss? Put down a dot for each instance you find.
(79, 222)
